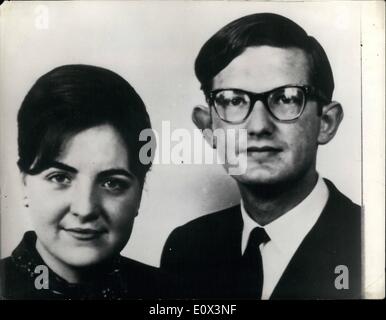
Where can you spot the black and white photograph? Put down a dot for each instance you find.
(229, 150)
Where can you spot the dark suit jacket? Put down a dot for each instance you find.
(206, 253)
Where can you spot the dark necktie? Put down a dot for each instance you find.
(252, 265)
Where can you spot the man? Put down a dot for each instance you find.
(294, 235)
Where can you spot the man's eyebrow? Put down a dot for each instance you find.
(116, 171)
(62, 166)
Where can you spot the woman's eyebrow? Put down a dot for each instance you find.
(116, 171)
(106, 173)
(62, 166)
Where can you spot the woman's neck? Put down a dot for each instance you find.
(71, 275)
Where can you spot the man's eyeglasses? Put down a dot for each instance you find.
(284, 103)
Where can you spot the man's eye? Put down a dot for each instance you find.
(233, 102)
(115, 185)
(288, 99)
(237, 101)
(60, 178)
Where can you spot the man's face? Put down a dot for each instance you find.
(276, 152)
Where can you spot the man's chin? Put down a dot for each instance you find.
(257, 181)
(266, 176)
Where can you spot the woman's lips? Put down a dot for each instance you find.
(84, 233)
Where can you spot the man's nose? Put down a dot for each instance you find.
(84, 203)
(260, 121)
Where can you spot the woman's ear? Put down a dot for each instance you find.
(332, 115)
(23, 178)
(202, 119)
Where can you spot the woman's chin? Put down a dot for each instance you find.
(85, 257)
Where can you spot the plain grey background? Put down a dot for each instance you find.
(153, 45)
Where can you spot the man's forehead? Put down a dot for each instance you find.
(263, 68)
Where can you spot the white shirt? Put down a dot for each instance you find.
(286, 234)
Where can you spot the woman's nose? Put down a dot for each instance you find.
(260, 121)
(84, 202)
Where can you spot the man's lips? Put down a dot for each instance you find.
(263, 149)
(85, 233)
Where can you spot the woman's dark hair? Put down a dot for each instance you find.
(70, 99)
(258, 30)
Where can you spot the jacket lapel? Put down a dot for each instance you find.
(310, 273)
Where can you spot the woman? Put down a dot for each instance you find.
(78, 130)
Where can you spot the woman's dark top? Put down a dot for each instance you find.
(22, 277)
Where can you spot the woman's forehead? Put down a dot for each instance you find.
(97, 148)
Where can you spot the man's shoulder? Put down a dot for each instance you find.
(342, 206)
(206, 236)
(204, 245)
(145, 281)
(213, 221)
(334, 241)
(134, 265)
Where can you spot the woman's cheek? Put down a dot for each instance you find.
(121, 208)
(49, 207)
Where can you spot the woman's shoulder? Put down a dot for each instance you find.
(15, 284)
(21, 274)
(7, 271)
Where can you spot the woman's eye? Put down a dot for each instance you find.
(60, 178)
(115, 185)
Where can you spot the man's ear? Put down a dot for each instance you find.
(202, 119)
(332, 115)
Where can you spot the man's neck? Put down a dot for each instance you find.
(266, 203)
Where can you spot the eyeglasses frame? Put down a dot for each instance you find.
(308, 91)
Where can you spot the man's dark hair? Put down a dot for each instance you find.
(258, 30)
(70, 99)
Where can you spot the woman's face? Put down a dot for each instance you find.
(83, 206)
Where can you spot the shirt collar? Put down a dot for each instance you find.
(289, 230)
